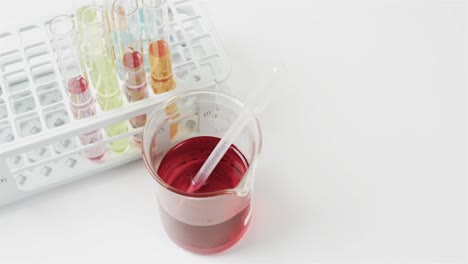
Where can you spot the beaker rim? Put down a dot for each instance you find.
(146, 153)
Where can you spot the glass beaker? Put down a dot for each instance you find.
(214, 218)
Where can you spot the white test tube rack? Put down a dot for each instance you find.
(39, 146)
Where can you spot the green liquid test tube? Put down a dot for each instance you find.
(103, 71)
(80, 6)
(109, 97)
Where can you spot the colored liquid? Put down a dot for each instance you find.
(93, 32)
(209, 239)
(106, 82)
(161, 67)
(121, 38)
(135, 84)
(97, 152)
(82, 106)
(109, 97)
(162, 79)
(178, 167)
(120, 145)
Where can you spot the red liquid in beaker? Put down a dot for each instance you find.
(177, 169)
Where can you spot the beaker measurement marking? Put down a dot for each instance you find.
(211, 113)
(161, 130)
(3, 181)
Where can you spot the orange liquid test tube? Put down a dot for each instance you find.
(162, 79)
(161, 67)
(160, 58)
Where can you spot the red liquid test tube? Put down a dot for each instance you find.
(129, 51)
(135, 83)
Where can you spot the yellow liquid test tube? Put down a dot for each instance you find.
(109, 97)
(103, 71)
(80, 6)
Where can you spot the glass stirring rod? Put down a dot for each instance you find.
(256, 102)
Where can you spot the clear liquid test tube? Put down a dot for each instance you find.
(67, 51)
(157, 35)
(126, 29)
(103, 70)
(129, 52)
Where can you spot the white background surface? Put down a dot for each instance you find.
(364, 159)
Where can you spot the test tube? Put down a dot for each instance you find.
(156, 18)
(80, 6)
(125, 30)
(157, 35)
(129, 51)
(67, 52)
(103, 72)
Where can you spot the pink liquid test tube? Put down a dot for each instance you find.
(64, 39)
(83, 106)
